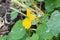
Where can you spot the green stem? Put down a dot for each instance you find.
(23, 5)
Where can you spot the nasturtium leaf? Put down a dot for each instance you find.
(21, 0)
(23, 9)
(24, 38)
(50, 5)
(54, 23)
(3, 38)
(13, 15)
(51, 28)
(57, 3)
(44, 18)
(40, 0)
(34, 22)
(17, 31)
(44, 32)
(34, 37)
(29, 3)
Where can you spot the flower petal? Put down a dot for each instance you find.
(27, 23)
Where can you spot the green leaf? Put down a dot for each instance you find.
(23, 9)
(24, 38)
(50, 5)
(13, 15)
(40, 0)
(3, 38)
(21, 0)
(17, 31)
(54, 23)
(44, 18)
(34, 37)
(44, 32)
(51, 28)
(29, 3)
(34, 22)
(57, 3)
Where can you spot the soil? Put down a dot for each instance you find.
(5, 15)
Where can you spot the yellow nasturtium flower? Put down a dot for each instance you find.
(30, 15)
(27, 22)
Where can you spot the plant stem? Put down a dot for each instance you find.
(17, 11)
(23, 5)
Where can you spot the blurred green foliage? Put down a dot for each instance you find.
(48, 29)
